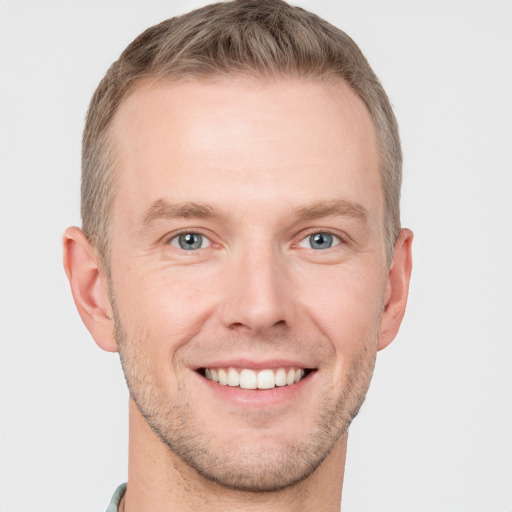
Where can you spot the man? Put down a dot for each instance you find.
(242, 250)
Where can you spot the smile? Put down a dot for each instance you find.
(250, 379)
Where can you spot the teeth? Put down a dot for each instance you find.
(249, 379)
(281, 377)
(266, 379)
(233, 377)
(223, 377)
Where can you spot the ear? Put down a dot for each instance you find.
(399, 275)
(89, 287)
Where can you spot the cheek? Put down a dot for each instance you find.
(346, 307)
(166, 307)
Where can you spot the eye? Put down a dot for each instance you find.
(319, 241)
(190, 241)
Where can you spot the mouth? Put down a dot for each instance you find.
(262, 379)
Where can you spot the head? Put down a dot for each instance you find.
(241, 175)
(268, 39)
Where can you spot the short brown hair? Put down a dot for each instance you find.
(265, 38)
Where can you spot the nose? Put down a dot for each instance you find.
(257, 292)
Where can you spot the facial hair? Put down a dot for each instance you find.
(239, 465)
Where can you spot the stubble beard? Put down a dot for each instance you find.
(243, 467)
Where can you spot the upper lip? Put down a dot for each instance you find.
(254, 364)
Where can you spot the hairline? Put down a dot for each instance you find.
(154, 79)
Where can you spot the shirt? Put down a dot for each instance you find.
(114, 502)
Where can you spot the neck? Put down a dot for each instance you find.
(159, 481)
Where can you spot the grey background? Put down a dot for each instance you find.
(435, 431)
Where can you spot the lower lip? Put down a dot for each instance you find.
(257, 397)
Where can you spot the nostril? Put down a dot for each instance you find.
(255, 328)
(240, 328)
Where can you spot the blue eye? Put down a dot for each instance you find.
(320, 241)
(190, 241)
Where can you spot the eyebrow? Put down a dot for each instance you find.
(162, 209)
(334, 208)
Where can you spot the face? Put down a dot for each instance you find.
(248, 270)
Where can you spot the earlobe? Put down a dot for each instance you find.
(89, 287)
(399, 275)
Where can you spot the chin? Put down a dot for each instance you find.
(254, 469)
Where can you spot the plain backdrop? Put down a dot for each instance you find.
(435, 432)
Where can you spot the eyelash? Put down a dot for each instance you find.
(336, 240)
(176, 238)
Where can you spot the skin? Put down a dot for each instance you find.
(256, 168)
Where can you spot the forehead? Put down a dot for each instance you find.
(275, 141)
